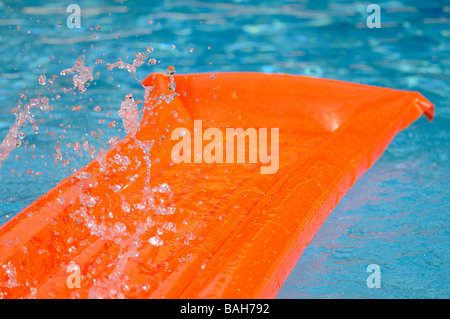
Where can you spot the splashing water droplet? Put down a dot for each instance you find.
(126, 207)
(116, 188)
(170, 227)
(90, 201)
(10, 271)
(42, 79)
(129, 114)
(171, 70)
(156, 241)
(164, 188)
(120, 227)
(84, 73)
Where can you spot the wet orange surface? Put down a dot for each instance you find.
(204, 230)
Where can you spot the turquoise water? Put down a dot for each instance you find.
(396, 216)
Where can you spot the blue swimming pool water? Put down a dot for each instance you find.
(396, 216)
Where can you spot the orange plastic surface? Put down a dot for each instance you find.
(225, 230)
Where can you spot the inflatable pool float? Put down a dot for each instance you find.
(139, 223)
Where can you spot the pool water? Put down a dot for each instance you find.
(396, 216)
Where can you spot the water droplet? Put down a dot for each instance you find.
(116, 188)
(140, 206)
(42, 79)
(189, 236)
(129, 114)
(164, 188)
(90, 201)
(156, 241)
(126, 207)
(170, 227)
(120, 227)
(171, 70)
(313, 70)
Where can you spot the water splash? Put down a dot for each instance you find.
(129, 114)
(23, 116)
(109, 224)
(83, 74)
(10, 272)
(131, 68)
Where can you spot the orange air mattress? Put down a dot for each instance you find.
(135, 223)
